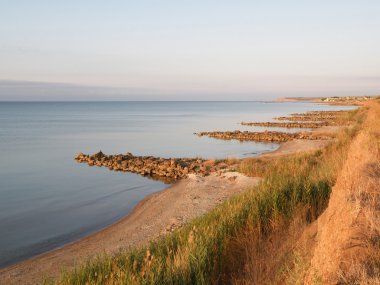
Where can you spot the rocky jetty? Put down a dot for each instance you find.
(336, 112)
(309, 125)
(320, 114)
(156, 167)
(267, 136)
(325, 119)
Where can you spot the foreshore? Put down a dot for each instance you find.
(154, 216)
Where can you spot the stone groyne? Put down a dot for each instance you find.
(320, 114)
(330, 119)
(309, 125)
(169, 169)
(156, 167)
(267, 136)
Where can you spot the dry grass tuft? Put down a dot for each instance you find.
(253, 167)
(209, 163)
(232, 160)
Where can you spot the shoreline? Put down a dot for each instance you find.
(146, 221)
(150, 218)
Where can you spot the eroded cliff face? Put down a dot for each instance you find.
(344, 243)
(342, 246)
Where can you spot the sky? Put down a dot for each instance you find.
(185, 50)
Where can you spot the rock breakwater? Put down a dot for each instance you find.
(309, 125)
(308, 118)
(156, 167)
(267, 136)
(329, 118)
(319, 114)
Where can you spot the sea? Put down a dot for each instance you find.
(47, 199)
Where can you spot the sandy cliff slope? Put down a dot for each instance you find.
(346, 236)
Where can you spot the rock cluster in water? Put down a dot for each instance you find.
(309, 118)
(173, 168)
(321, 113)
(267, 136)
(318, 115)
(324, 118)
(310, 125)
(177, 168)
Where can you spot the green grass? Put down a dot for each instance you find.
(196, 253)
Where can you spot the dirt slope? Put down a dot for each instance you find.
(346, 235)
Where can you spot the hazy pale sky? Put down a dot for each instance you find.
(249, 48)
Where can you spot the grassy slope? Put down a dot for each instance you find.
(202, 252)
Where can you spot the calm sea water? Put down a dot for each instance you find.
(47, 199)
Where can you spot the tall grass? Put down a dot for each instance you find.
(197, 253)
